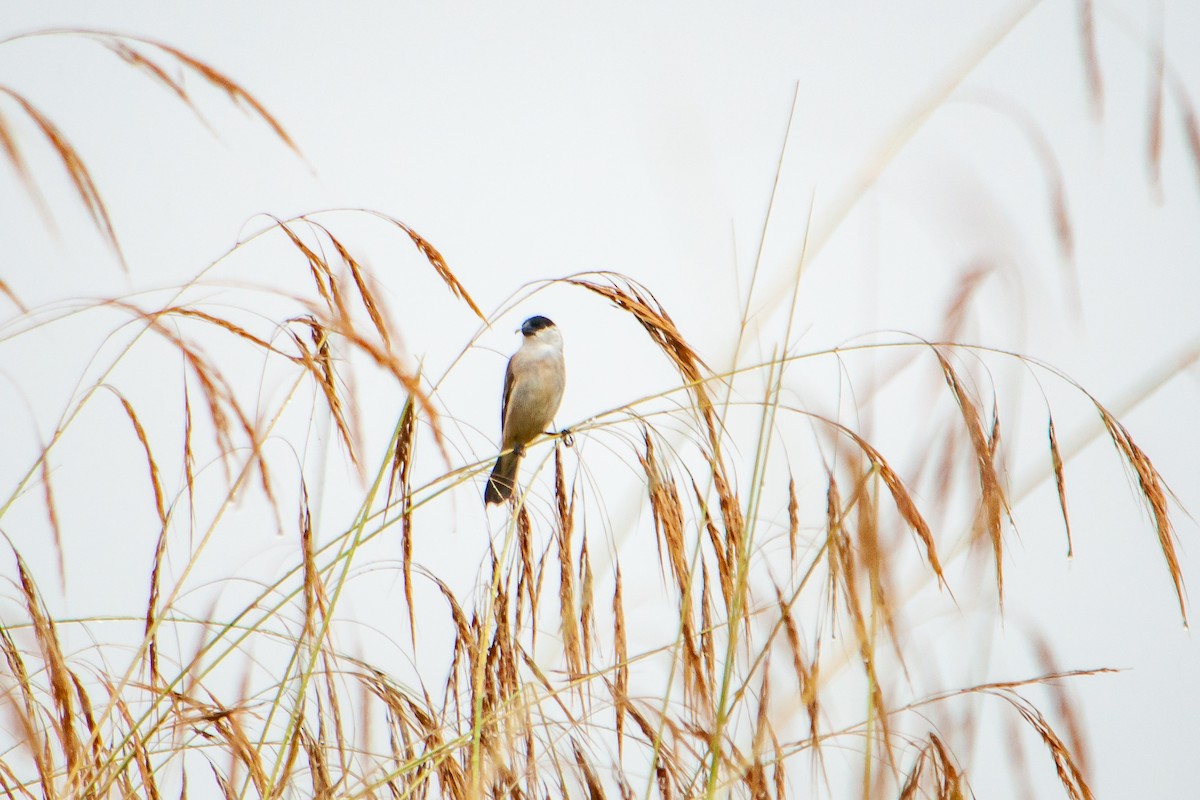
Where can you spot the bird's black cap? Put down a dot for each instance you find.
(535, 324)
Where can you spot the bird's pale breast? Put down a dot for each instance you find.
(535, 396)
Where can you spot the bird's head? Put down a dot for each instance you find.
(533, 325)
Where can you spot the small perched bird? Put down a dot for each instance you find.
(533, 388)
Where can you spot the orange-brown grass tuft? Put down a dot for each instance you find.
(121, 45)
(1060, 485)
(566, 574)
(635, 299)
(1069, 773)
(901, 498)
(619, 689)
(61, 680)
(401, 480)
(81, 178)
(1154, 491)
(319, 363)
(151, 629)
(806, 674)
(52, 516)
(439, 264)
(993, 503)
(5, 289)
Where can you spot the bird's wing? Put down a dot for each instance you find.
(508, 384)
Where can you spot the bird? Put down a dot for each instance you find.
(533, 389)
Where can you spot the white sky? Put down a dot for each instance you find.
(540, 140)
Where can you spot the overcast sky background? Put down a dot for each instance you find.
(539, 140)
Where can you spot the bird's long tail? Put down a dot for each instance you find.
(504, 478)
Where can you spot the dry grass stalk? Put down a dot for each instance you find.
(316, 602)
(793, 519)
(1069, 774)
(591, 780)
(955, 316)
(439, 265)
(137, 750)
(220, 322)
(1091, 61)
(566, 586)
(219, 395)
(463, 639)
(242, 750)
(189, 455)
(292, 753)
(1191, 128)
(155, 480)
(708, 645)
(632, 297)
(222, 784)
(528, 578)
(12, 786)
(119, 43)
(1154, 118)
(392, 363)
(662, 763)
(318, 767)
(152, 616)
(502, 661)
(587, 622)
(1154, 491)
(755, 778)
(135, 59)
(699, 690)
(1055, 187)
(89, 716)
(724, 569)
(913, 782)
(401, 480)
(667, 510)
(4, 287)
(873, 557)
(844, 576)
(731, 515)
(992, 500)
(762, 725)
(806, 675)
(319, 364)
(1066, 710)
(28, 718)
(372, 306)
(340, 320)
(1060, 485)
(8, 143)
(81, 179)
(901, 498)
(403, 721)
(949, 778)
(52, 516)
(619, 689)
(322, 276)
(61, 679)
